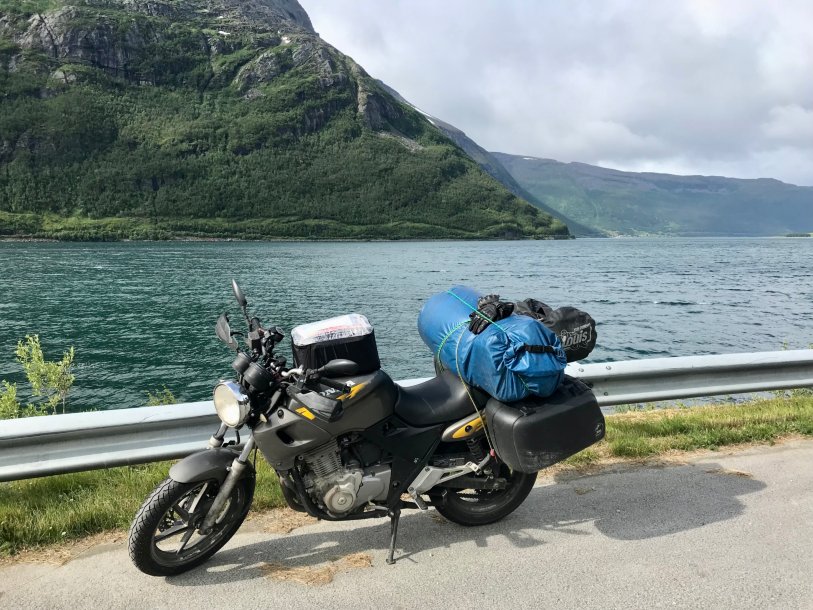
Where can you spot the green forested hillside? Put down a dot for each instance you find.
(220, 118)
(631, 203)
(488, 162)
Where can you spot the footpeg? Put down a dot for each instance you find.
(418, 499)
(475, 468)
(432, 475)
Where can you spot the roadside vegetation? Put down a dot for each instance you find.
(162, 396)
(641, 434)
(50, 382)
(47, 511)
(41, 512)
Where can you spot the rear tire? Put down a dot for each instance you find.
(169, 518)
(471, 507)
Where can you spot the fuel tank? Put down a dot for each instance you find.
(295, 430)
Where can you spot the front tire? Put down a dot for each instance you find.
(472, 507)
(163, 538)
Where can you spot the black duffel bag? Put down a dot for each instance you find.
(575, 328)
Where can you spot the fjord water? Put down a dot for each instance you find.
(141, 315)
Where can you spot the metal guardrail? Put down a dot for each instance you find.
(654, 379)
(56, 444)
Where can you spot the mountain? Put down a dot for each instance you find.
(221, 118)
(633, 203)
(488, 162)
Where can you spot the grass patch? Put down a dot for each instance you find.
(51, 510)
(642, 434)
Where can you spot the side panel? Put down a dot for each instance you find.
(287, 435)
(409, 448)
(463, 429)
(293, 431)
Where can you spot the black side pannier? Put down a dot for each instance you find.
(350, 336)
(575, 328)
(534, 433)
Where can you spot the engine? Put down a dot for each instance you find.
(342, 487)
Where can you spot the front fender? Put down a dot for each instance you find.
(206, 465)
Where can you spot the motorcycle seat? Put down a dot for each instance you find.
(437, 401)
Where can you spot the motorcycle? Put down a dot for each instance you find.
(344, 444)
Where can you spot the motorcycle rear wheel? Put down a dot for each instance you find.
(164, 540)
(472, 507)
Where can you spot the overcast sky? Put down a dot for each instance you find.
(693, 87)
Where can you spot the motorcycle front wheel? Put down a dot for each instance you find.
(480, 507)
(164, 540)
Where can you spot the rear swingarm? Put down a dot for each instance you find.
(471, 482)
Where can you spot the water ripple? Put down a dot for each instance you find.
(142, 315)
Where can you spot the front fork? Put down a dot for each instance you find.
(217, 438)
(236, 471)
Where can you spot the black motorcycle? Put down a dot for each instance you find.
(349, 443)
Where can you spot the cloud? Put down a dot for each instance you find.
(791, 124)
(706, 87)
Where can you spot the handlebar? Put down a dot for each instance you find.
(311, 378)
(336, 385)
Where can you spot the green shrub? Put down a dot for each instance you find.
(163, 396)
(50, 381)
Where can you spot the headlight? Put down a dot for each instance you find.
(231, 403)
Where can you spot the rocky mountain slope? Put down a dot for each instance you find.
(162, 118)
(633, 203)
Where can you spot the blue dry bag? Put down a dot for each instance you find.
(510, 359)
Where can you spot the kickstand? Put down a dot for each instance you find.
(395, 516)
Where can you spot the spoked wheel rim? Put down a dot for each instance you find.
(176, 539)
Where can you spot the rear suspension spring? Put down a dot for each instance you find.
(476, 449)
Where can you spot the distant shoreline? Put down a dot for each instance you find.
(11, 239)
(189, 239)
(23, 239)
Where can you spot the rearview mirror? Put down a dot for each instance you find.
(238, 294)
(223, 331)
(339, 368)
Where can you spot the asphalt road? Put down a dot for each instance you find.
(729, 530)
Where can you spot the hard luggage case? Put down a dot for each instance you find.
(534, 433)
